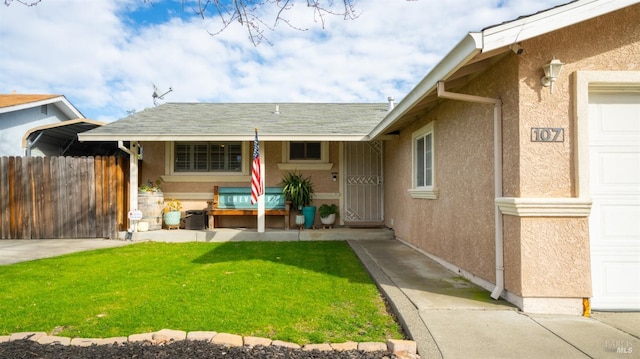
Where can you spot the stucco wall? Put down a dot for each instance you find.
(512, 254)
(458, 226)
(555, 251)
(544, 256)
(610, 42)
(555, 257)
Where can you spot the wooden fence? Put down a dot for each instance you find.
(62, 197)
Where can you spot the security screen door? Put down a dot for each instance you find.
(363, 183)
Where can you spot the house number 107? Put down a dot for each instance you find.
(547, 134)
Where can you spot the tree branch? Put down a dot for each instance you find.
(23, 2)
(245, 12)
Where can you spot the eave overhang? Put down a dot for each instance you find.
(60, 102)
(224, 137)
(477, 51)
(466, 49)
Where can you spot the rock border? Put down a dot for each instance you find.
(401, 348)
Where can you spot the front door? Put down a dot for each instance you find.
(363, 183)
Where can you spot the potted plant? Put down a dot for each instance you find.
(150, 187)
(328, 213)
(172, 213)
(299, 191)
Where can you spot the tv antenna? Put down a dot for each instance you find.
(156, 94)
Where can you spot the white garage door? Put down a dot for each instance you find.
(614, 224)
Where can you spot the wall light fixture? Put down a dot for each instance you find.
(551, 73)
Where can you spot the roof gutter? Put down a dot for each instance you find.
(497, 175)
(466, 49)
(221, 137)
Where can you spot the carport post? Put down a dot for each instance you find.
(133, 174)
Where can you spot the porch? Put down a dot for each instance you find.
(270, 234)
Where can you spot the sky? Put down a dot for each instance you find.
(105, 56)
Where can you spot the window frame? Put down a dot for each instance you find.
(321, 164)
(324, 152)
(171, 175)
(305, 144)
(425, 191)
(209, 154)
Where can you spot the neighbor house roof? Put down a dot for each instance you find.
(16, 102)
(477, 51)
(16, 99)
(237, 121)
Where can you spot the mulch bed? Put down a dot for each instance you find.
(19, 349)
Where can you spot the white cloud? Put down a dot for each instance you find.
(104, 64)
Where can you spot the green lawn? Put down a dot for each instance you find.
(302, 292)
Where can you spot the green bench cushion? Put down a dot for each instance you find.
(240, 198)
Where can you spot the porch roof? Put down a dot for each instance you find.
(236, 121)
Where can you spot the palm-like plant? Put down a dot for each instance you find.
(297, 189)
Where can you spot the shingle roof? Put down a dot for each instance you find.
(17, 99)
(18, 102)
(215, 121)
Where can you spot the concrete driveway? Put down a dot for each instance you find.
(21, 250)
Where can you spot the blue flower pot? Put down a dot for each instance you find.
(309, 213)
(172, 218)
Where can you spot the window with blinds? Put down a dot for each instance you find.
(208, 157)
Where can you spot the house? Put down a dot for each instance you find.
(191, 147)
(531, 191)
(525, 182)
(44, 125)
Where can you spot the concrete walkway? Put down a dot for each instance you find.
(449, 317)
(20, 250)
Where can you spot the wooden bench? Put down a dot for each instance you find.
(236, 201)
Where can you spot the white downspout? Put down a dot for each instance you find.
(497, 173)
(133, 172)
